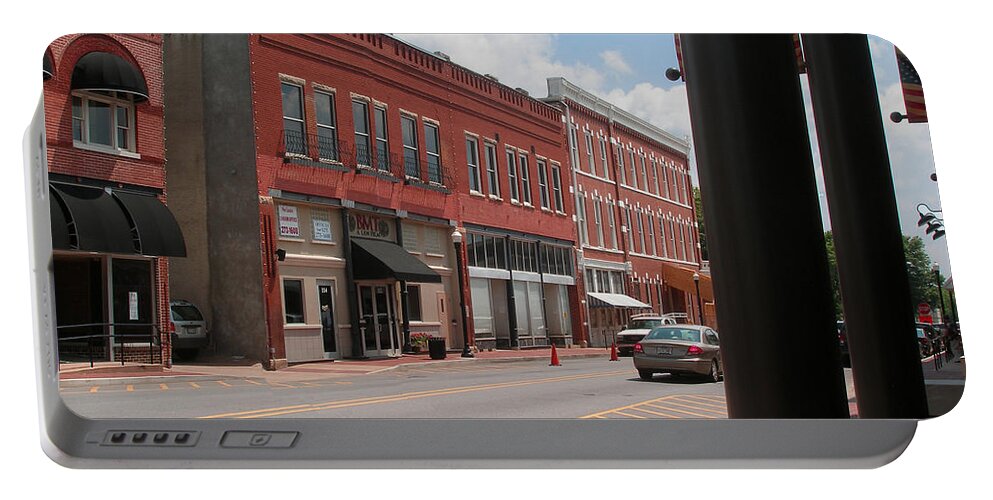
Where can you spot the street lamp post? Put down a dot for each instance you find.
(937, 283)
(699, 300)
(457, 239)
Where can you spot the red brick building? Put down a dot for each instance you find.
(360, 156)
(636, 221)
(111, 231)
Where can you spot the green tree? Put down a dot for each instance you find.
(919, 274)
(702, 227)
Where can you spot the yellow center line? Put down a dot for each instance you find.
(343, 383)
(280, 384)
(94, 388)
(252, 382)
(225, 384)
(164, 387)
(194, 385)
(270, 412)
(130, 388)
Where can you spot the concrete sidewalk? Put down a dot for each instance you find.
(107, 372)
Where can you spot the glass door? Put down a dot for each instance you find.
(377, 311)
(328, 330)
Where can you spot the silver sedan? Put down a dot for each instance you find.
(679, 349)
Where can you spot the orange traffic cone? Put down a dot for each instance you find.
(555, 357)
(613, 352)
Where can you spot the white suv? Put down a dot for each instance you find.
(188, 328)
(636, 330)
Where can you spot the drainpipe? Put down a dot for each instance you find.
(585, 323)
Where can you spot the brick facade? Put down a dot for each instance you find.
(143, 168)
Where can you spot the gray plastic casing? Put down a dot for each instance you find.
(75, 441)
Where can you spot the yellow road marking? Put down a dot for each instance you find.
(130, 388)
(271, 412)
(723, 407)
(343, 383)
(645, 410)
(628, 415)
(94, 388)
(164, 387)
(253, 382)
(225, 384)
(280, 384)
(626, 407)
(194, 385)
(670, 404)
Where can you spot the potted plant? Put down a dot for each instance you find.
(419, 341)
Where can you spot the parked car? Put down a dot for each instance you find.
(188, 328)
(637, 328)
(679, 350)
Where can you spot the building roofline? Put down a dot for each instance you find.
(559, 88)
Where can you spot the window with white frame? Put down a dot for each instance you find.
(432, 146)
(693, 249)
(543, 184)
(665, 179)
(603, 158)
(598, 221)
(612, 225)
(584, 235)
(665, 244)
(574, 146)
(557, 188)
(382, 140)
(493, 181)
(294, 132)
(293, 301)
(641, 232)
(525, 179)
(360, 117)
(327, 128)
(588, 136)
(651, 233)
(644, 173)
(627, 215)
(620, 164)
(411, 155)
(512, 175)
(472, 160)
(686, 188)
(682, 239)
(655, 175)
(672, 238)
(634, 169)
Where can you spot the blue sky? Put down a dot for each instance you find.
(628, 70)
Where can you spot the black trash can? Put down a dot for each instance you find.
(436, 347)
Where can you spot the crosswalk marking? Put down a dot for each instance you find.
(672, 406)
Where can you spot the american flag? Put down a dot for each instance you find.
(913, 93)
(679, 57)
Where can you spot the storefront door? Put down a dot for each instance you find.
(325, 294)
(377, 312)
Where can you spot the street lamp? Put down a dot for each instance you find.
(457, 240)
(699, 300)
(937, 283)
(929, 217)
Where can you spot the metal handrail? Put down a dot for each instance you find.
(154, 338)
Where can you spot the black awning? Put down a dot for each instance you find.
(60, 228)
(106, 72)
(375, 259)
(95, 218)
(47, 67)
(158, 231)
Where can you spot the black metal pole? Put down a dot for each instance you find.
(404, 297)
(955, 312)
(350, 289)
(871, 264)
(466, 353)
(771, 283)
(941, 296)
(699, 300)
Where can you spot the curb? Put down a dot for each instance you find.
(151, 379)
(515, 359)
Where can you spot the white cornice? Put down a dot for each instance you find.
(559, 88)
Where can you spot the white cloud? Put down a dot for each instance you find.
(615, 61)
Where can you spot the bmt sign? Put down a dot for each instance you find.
(368, 226)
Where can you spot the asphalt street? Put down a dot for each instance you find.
(580, 388)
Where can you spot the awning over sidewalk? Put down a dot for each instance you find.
(376, 259)
(682, 278)
(616, 300)
(93, 220)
